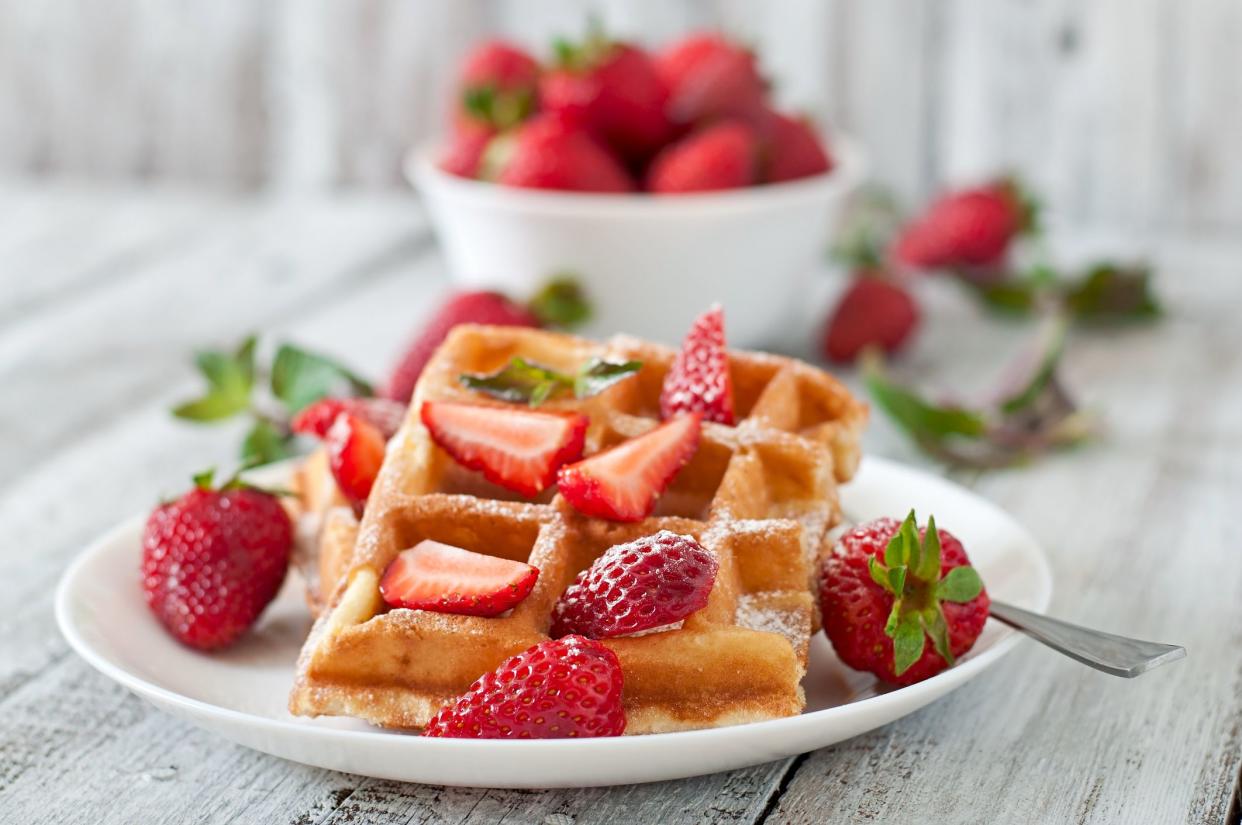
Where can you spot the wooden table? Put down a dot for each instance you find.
(103, 295)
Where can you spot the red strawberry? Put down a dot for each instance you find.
(654, 581)
(558, 689)
(968, 228)
(622, 483)
(724, 156)
(699, 380)
(872, 312)
(518, 449)
(461, 308)
(709, 77)
(943, 603)
(446, 579)
(497, 87)
(213, 559)
(793, 149)
(355, 452)
(464, 153)
(317, 418)
(549, 152)
(613, 90)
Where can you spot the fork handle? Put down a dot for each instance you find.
(1118, 655)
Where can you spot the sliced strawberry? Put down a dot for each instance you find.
(622, 484)
(448, 579)
(317, 418)
(520, 450)
(355, 453)
(699, 379)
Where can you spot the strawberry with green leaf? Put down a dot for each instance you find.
(901, 602)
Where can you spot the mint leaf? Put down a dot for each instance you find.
(300, 378)
(561, 303)
(244, 358)
(1112, 292)
(919, 418)
(907, 643)
(961, 584)
(214, 406)
(521, 381)
(598, 375)
(265, 443)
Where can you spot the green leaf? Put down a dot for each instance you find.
(203, 479)
(961, 584)
(929, 564)
(1112, 292)
(214, 406)
(1013, 297)
(897, 579)
(896, 552)
(479, 101)
(598, 375)
(561, 303)
(1045, 356)
(894, 618)
(879, 573)
(244, 358)
(922, 420)
(933, 622)
(300, 378)
(522, 381)
(907, 643)
(265, 443)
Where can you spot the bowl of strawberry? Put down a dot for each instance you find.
(657, 179)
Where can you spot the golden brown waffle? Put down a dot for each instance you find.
(760, 495)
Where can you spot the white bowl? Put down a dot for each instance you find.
(649, 264)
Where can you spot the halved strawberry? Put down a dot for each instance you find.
(355, 452)
(316, 418)
(448, 579)
(518, 449)
(699, 379)
(622, 484)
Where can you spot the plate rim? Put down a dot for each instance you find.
(947, 679)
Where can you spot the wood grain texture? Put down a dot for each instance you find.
(1125, 112)
(1036, 739)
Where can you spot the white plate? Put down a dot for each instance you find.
(240, 694)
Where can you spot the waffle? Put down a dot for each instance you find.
(760, 495)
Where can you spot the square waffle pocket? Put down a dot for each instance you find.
(760, 495)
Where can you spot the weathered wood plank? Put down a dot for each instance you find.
(250, 267)
(1139, 530)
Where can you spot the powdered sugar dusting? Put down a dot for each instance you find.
(753, 615)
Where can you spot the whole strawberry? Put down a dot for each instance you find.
(613, 90)
(651, 582)
(461, 308)
(463, 155)
(213, 559)
(900, 602)
(551, 152)
(873, 311)
(497, 87)
(966, 229)
(792, 148)
(723, 156)
(709, 77)
(558, 689)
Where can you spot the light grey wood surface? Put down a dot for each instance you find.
(1122, 111)
(104, 295)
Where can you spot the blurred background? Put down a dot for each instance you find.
(1124, 114)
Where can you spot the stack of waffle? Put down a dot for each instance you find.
(761, 495)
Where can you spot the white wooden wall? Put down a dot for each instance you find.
(1125, 112)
